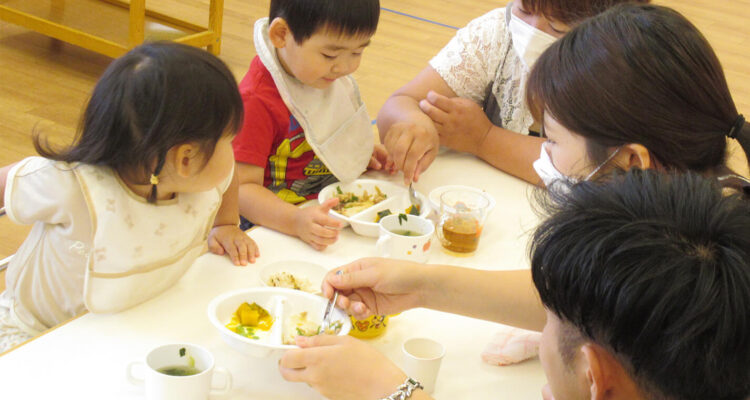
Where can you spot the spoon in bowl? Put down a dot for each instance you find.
(326, 324)
(413, 199)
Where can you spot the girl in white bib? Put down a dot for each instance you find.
(121, 214)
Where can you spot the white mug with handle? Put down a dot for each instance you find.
(179, 372)
(405, 237)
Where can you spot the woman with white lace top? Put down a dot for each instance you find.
(471, 95)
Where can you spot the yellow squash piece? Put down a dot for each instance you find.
(251, 315)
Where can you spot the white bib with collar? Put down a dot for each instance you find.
(139, 249)
(334, 119)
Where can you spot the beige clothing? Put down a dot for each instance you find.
(45, 277)
(11, 335)
(87, 222)
(479, 64)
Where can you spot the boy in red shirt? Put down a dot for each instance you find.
(305, 125)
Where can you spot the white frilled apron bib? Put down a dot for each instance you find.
(139, 249)
(334, 119)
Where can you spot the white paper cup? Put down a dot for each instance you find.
(392, 244)
(422, 357)
(160, 386)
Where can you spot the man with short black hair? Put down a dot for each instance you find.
(646, 283)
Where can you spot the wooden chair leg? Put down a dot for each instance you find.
(57, 10)
(215, 16)
(137, 22)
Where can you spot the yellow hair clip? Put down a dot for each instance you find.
(154, 179)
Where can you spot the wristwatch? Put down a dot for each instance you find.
(405, 390)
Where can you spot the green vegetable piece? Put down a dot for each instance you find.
(384, 213)
(246, 331)
(182, 352)
(414, 210)
(402, 217)
(338, 190)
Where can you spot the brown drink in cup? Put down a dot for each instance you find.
(462, 215)
(461, 234)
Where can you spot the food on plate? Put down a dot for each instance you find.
(300, 325)
(334, 328)
(382, 214)
(411, 210)
(351, 203)
(290, 281)
(248, 318)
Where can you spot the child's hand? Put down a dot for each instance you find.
(230, 239)
(315, 227)
(380, 159)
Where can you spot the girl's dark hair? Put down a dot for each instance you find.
(655, 267)
(153, 98)
(570, 12)
(346, 17)
(639, 74)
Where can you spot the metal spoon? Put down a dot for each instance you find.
(413, 197)
(326, 324)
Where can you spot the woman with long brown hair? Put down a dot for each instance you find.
(630, 92)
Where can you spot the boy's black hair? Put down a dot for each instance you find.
(156, 96)
(345, 17)
(655, 268)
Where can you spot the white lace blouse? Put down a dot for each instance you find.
(479, 63)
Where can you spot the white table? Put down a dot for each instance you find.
(86, 357)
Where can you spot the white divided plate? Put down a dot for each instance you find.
(299, 269)
(438, 191)
(280, 303)
(363, 223)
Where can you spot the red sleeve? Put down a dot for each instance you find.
(253, 143)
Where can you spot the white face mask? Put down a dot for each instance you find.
(528, 42)
(549, 174)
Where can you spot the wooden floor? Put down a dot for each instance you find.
(44, 83)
